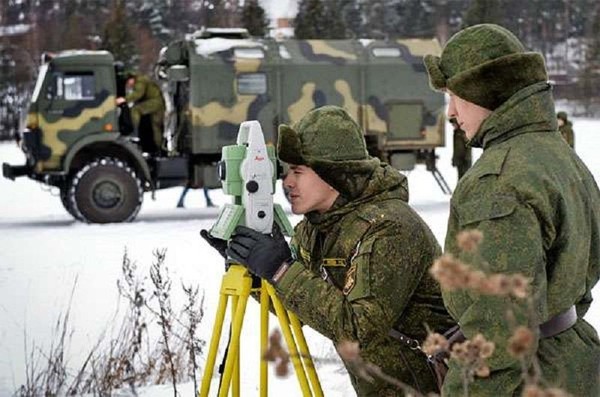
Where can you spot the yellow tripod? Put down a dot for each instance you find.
(237, 285)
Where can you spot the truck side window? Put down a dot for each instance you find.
(252, 84)
(72, 86)
(386, 52)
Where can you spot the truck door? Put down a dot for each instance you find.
(73, 104)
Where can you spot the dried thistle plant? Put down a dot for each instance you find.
(472, 355)
(521, 343)
(349, 351)
(276, 353)
(435, 344)
(453, 274)
(537, 391)
(469, 240)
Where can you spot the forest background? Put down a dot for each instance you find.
(566, 32)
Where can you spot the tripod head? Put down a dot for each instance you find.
(248, 171)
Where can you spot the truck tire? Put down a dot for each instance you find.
(67, 204)
(106, 190)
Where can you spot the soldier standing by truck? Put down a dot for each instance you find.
(461, 152)
(147, 99)
(566, 128)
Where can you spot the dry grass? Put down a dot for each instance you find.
(151, 343)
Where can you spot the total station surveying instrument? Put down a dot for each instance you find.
(248, 173)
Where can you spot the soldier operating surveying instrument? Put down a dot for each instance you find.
(248, 172)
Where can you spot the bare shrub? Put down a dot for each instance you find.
(151, 342)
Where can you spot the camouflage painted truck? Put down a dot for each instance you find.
(212, 81)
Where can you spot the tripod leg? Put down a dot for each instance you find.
(264, 339)
(305, 354)
(214, 345)
(235, 377)
(239, 285)
(291, 343)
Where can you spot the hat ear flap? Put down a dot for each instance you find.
(289, 147)
(437, 80)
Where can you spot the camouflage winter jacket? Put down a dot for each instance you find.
(144, 89)
(539, 210)
(375, 252)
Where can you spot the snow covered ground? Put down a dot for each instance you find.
(43, 251)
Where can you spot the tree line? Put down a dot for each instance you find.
(566, 32)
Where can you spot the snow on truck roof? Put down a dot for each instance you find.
(206, 47)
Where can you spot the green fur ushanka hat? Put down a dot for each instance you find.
(485, 64)
(330, 142)
(562, 116)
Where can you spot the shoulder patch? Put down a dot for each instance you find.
(305, 255)
(334, 262)
(350, 280)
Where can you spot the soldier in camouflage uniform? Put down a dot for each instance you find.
(565, 127)
(147, 98)
(461, 152)
(537, 206)
(360, 255)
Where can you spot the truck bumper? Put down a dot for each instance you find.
(11, 172)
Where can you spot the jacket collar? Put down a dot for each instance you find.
(385, 183)
(529, 110)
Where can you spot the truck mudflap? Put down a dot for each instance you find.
(14, 171)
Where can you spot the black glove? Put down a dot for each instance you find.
(217, 243)
(261, 253)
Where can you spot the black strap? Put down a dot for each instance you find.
(559, 323)
(404, 339)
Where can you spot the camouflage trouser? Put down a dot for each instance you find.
(156, 109)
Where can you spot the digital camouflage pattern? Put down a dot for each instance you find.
(538, 208)
(566, 129)
(279, 81)
(147, 99)
(360, 268)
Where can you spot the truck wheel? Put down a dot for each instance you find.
(106, 190)
(67, 204)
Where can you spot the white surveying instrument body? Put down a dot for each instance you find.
(248, 173)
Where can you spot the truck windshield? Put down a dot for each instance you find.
(39, 82)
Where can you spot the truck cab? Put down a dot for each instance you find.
(72, 139)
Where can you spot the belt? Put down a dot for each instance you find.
(559, 323)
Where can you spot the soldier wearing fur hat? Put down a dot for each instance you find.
(537, 206)
(357, 265)
(566, 128)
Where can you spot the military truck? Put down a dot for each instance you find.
(212, 81)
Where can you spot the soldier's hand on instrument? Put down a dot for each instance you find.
(217, 243)
(120, 100)
(262, 254)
